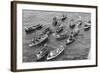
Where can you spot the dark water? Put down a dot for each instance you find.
(78, 50)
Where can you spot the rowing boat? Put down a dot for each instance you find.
(75, 32)
(62, 35)
(70, 40)
(72, 24)
(42, 37)
(33, 28)
(38, 40)
(87, 26)
(55, 53)
(42, 52)
(47, 31)
(59, 29)
(78, 23)
(63, 18)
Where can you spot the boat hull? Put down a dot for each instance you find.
(42, 53)
(33, 28)
(55, 54)
(43, 38)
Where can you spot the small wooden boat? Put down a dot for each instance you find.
(38, 40)
(42, 52)
(78, 23)
(72, 24)
(75, 32)
(70, 40)
(59, 29)
(47, 31)
(87, 26)
(62, 35)
(54, 21)
(63, 18)
(55, 53)
(33, 28)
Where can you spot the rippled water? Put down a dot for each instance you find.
(78, 50)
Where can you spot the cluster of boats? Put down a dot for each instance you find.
(75, 29)
(68, 36)
(45, 52)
